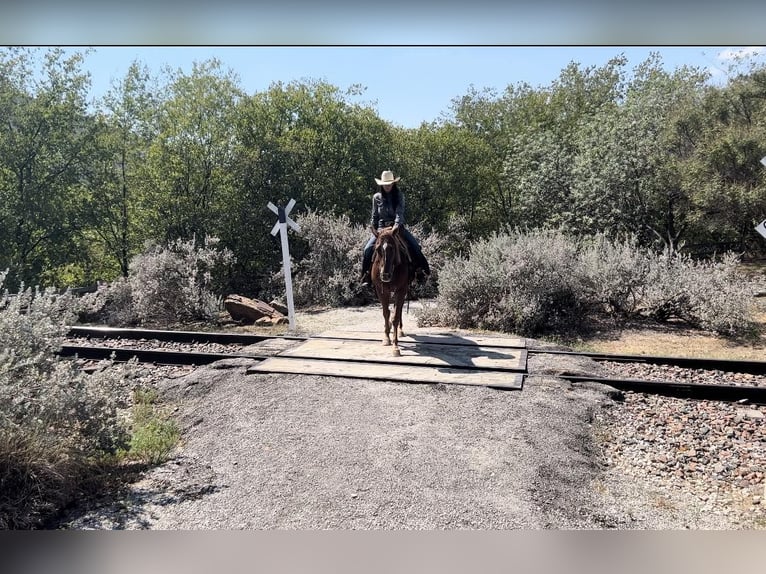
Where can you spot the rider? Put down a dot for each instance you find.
(388, 211)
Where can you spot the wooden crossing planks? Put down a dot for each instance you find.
(425, 358)
(438, 338)
(390, 372)
(423, 354)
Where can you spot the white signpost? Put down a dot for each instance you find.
(761, 227)
(281, 226)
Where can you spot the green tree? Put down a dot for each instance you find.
(189, 161)
(627, 178)
(305, 141)
(115, 188)
(44, 133)
(723, 171)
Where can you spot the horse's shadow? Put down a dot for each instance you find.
(460, 352)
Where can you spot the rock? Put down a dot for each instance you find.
(750, 413)
(245, 309)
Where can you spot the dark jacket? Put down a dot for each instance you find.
(384, 212)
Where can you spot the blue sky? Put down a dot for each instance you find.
(407, 85)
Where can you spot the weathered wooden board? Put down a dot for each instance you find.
(390, 372)
(439, 355)
(439, 338)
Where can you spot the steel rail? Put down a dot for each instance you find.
(719, 392)
(177, 336)
(715, 392)
(728, 365)
(172, 357)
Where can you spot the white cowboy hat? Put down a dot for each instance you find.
(387, 178)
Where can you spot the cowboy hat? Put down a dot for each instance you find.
(387, 178)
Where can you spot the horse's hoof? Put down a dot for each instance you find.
(397, 352)
(386, 343)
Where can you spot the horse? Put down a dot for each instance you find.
(390, 274)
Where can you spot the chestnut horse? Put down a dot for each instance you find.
(390, 275)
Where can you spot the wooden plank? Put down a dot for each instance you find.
(440, 355)
(437, 338)
(390, 372)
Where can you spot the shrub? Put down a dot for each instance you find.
(544, 281)
(614, 273)
(526, 283)
(328, 273)
(165, 284)
(154, 433)
(57, 423)
(711, 295)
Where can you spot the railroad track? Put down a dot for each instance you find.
(236, 341)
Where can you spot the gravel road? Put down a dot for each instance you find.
(264, 451)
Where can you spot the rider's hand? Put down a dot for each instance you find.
(395, 227)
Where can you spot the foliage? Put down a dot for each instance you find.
(665, 156)
(329, 272)
(56, 422)
(547, 281)
(711, 295)
(165, 284)
(45, 138)
(614, 273)
(154, 434)
(515, 282)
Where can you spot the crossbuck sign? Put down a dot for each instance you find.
(281, 226)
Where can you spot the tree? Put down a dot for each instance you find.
(43, 138)
(116, 184)
(304, 141)
(627, 178)
(189, 162)
(723, 171)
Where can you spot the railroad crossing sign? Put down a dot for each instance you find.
(281, 225)
(761, 228)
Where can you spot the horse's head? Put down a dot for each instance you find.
(387, 252)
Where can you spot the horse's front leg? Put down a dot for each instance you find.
(386, 320)
(398, 304)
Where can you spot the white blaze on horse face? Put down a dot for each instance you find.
(385, 274)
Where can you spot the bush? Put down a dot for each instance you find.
(57, 423)
(525, 283)
(711, 295)
(328, 273)
(544, 281)
(614, 273)
(165, 284)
